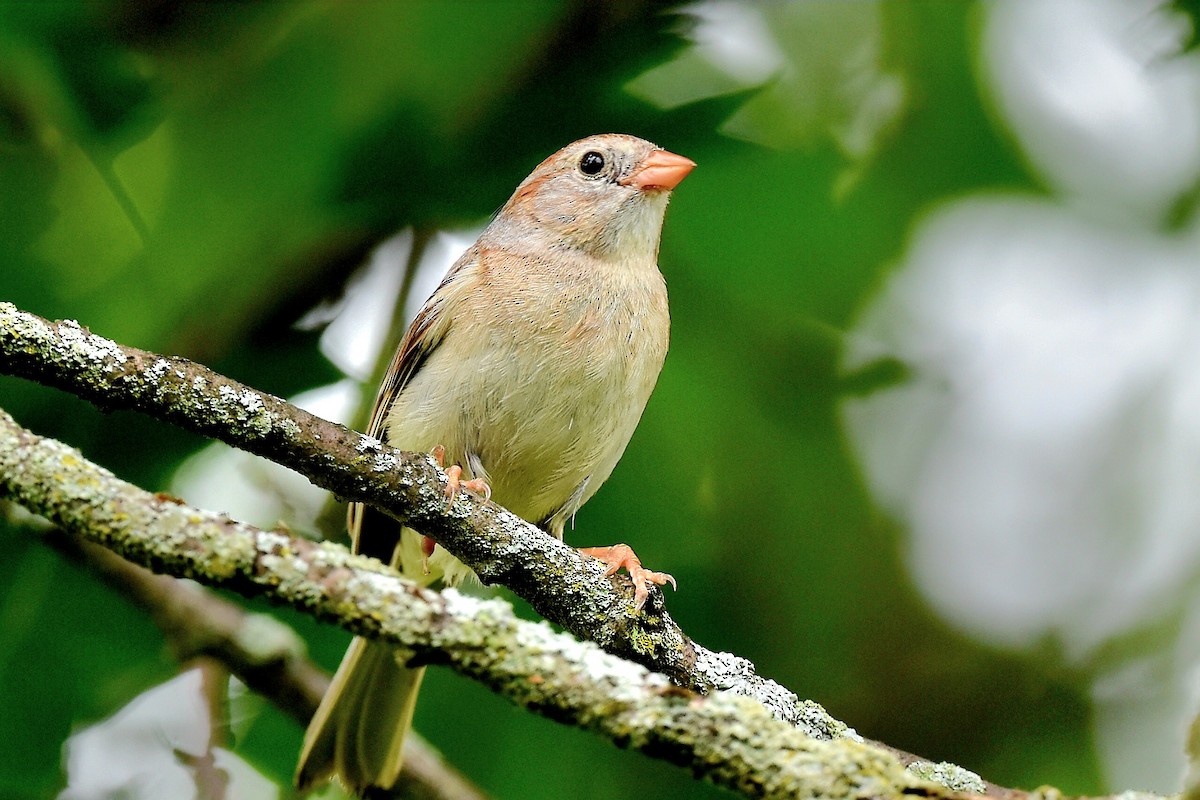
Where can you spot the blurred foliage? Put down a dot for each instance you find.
(193, 178)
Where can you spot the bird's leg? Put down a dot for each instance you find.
(454, 482)
(454, 479)
(622, 555)
(427, 546)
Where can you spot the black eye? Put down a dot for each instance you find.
(591, 163)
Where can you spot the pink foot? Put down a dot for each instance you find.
(622, 555)
(454, 481)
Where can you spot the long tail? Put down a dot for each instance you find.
(358, 731)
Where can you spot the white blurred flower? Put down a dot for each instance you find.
(1099, 98)
(819, 68)
(154, 747)
(1045, 452)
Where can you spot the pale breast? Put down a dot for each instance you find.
(544, 389)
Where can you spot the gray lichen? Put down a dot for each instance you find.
(949, 775)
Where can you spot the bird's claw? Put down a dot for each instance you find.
(620, 556)
(454, 481)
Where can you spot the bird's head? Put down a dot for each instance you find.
(604, 195)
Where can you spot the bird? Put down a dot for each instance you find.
(525, 374)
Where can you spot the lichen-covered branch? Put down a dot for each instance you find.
(731, 740)
(265, 654)
(555, 579)
(724, 736)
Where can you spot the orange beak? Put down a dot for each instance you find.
(660, 170)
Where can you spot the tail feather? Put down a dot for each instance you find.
(358, 731)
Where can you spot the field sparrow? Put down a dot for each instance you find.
(527, 371)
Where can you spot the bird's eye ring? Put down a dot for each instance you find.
(591, 163)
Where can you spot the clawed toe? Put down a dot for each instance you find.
(620, 556)
(479, 487)
(454, 481)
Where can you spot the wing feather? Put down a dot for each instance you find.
(426, 332)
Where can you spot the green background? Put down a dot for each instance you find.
(192, 179)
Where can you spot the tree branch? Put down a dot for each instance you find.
(730, 740)
(562, 585)
(261, 651)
